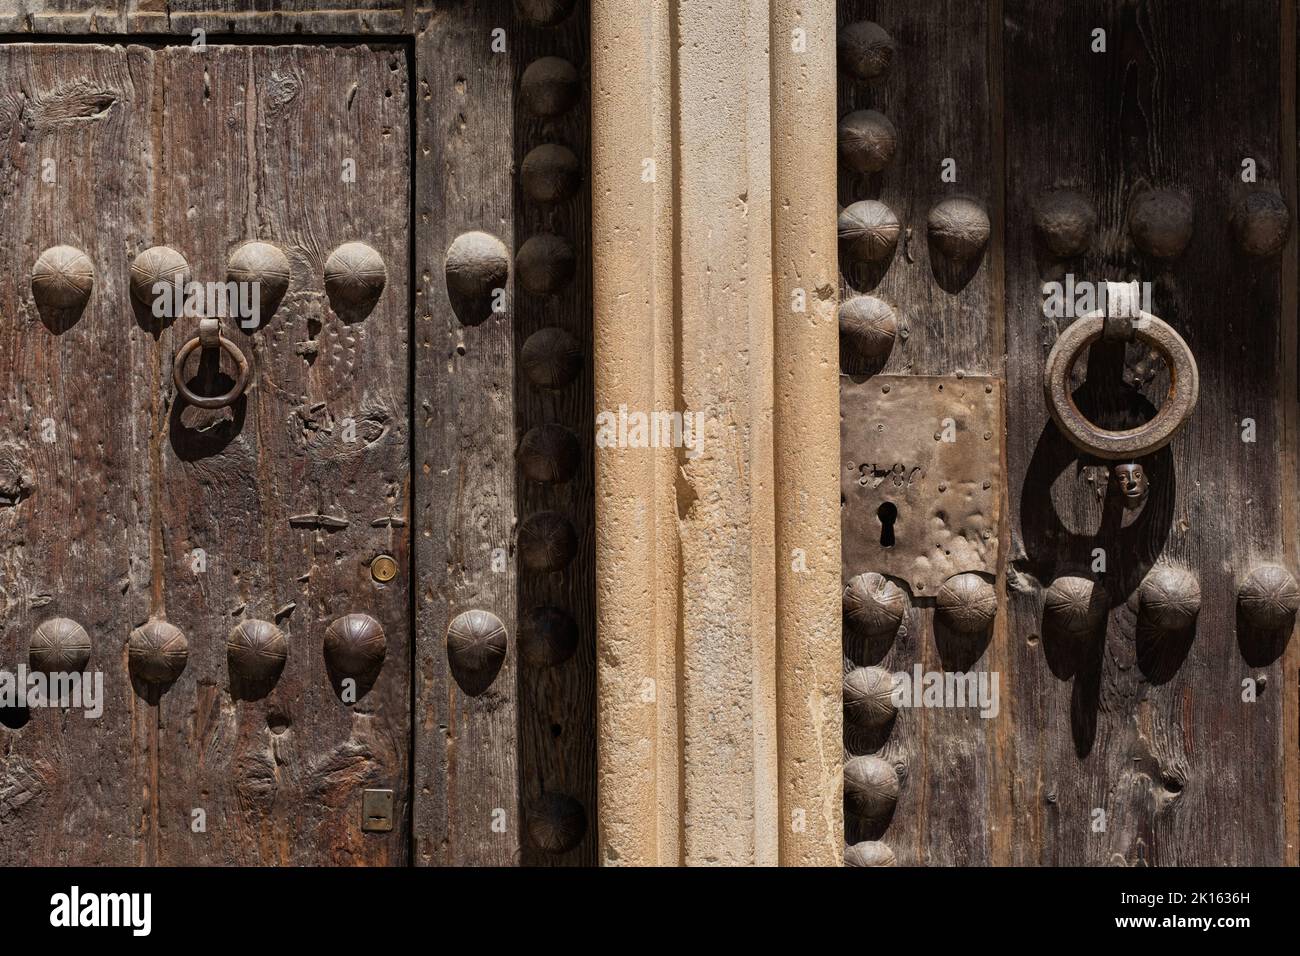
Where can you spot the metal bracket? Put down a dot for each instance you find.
(377, 811)
(921, 477)
(1122, 307)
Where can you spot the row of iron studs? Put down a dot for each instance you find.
(256, 651)
(549, 453)
(63, 276)
(1160, 222)
(868, 234)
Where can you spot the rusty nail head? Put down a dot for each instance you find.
(383, 568)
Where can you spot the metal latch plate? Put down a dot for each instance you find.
(930, 446)
(377, 810)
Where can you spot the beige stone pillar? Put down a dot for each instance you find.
(806, 418)
(717, 564)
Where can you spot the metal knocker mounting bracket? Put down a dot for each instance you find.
(210, 337)
(1126, 444)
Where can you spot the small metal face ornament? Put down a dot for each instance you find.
(1132, 485)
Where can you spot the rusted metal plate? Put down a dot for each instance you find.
(921, 477)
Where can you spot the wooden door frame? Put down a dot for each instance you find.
(467, 802)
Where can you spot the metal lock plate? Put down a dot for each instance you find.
(921, 477)
(377, 811)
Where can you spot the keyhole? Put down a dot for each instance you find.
(888, 514)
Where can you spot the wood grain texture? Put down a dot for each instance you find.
(321, 17)
(74, 440)
(1154, 732)
(203, 159)
(1290, 403)
(252, 145)
(937, 96)
(557, 716)
(466, 770)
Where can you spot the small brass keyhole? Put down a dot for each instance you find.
(383, 568)
(888, 514)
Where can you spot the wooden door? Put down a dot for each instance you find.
(1144, 647)
(221, 563)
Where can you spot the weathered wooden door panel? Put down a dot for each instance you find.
(306, 148)
(942, 323)
(271, 509)
(74, 445)
(1121, 735)
(1146, 725)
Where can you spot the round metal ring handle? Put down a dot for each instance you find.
(1126, 444)
(213, 401)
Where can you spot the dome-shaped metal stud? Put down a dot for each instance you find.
(158, 266)
(543, 13)
(1160, 223)
(1169, 599)
(62, 278)
(1261, 222)
(868, 327)
(547, 636)
(549, 86)
(556, 822)
(355, 645)
(476, 649)
(157, 652)
(59, 646)
(1269, 597)
(864, 50)
(1075, 605)
(545, 264)
(549, 454)
(354, 278)
(867, 140)
(1065, 222)
(477, 266)
(967, 603)
(873, 605)
(869, 698)
(868, 231)
(870, 789)
(268, 266)
(547, 542)
(869, 853)
(959, 228)
(551, 358)
(256, 650)
(550, 174)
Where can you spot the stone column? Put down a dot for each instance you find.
(806, 418)
(718, 563)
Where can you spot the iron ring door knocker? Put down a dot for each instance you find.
(1122, 324)
(210, 337)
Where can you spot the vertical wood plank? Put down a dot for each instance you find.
(254, 143)
(936, 94)
(466, 770)
(557, 743)
(75, 433)
(1290, 403)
